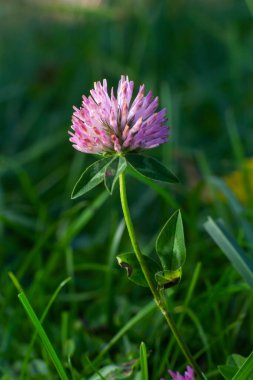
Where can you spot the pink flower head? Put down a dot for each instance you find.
(188, 375)
(107, 124)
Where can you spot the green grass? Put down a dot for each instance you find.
(197, 57)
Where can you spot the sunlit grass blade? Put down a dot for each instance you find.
(44, 314)
(231, 249)
(15, 282)
(37, 323)
(235, 205)
(43, 336)
(143, 361)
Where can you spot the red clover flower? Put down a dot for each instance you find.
(188, 375)
(109, 124)
(119, 129)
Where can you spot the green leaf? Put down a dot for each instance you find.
(129, 262)
(167, 278)
(231, 249)
(151, 168)
(113, 170)
(170, 245)
(237, 367)
(245, 372)
(227, 371)
(235, 360)
(91, 177)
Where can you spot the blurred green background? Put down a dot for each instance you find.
(197, 57)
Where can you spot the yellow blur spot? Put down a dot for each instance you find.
(241, 181)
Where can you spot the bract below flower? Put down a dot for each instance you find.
(107, 124)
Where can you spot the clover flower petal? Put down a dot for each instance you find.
(116, 124)
(188, 375)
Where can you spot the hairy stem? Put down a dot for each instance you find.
(151, 281)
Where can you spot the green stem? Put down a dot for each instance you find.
(150, 280)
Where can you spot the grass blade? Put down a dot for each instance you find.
(94, 368)
(143, 361)
(231, 249)
(43, 336)
(75, 227)
(44, 314)
(235, 205)
(250, 6)
(150, 307)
